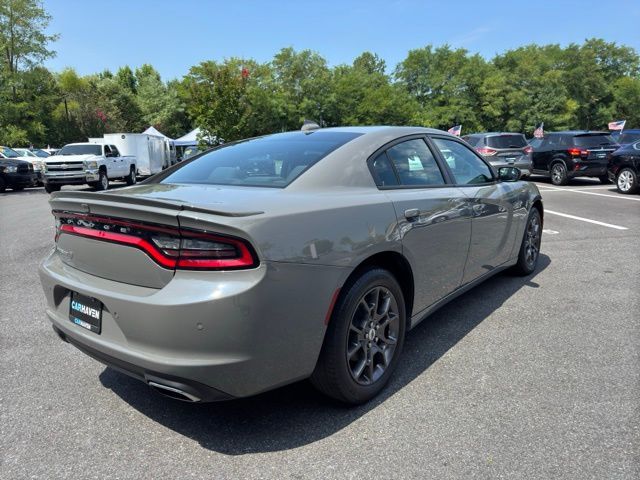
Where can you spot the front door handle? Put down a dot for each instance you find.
(411, 213)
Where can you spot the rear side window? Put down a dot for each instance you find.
(271, 161)
(473, 141)
(592, 140)
(466, 166)
(506, 141)
(415, 164)
(384, 173)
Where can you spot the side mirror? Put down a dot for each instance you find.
(509, 174)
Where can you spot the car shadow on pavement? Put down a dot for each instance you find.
(297, 415)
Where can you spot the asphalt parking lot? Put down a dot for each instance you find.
(535, 377)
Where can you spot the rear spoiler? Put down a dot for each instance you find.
(82, 201)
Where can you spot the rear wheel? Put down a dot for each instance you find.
(364, 339)
(51, 188)
(627, 181)
(604, 179)
(530, 247)
(559, 173)
(103, 181)
(131, 178)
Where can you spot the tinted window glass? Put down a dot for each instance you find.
(592, 140)
(506, 141)
(115, 151)
(465, 165)
(536, 142)
(272, 161)
(415, 163)
(81, 150)
(385, 176)
(628, 138)
(473, 141)
(8, 152)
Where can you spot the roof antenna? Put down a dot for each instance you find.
(309, 125)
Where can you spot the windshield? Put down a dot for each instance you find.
(8, 152)
(271, 161)
(25, 152)
(82, 149)
(629, 137)
(41, 153)
(506, 141)
(592, 140)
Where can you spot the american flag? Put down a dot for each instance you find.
(457, 130)
(619, 125)
(539, 131)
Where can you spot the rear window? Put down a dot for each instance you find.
(506, 141)
(272, 161)
(592, 140)
(8, 152)
(628, 137)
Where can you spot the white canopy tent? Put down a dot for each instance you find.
(156, 133)
(190, 139)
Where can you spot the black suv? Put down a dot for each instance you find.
(565, 155)
(16, 174)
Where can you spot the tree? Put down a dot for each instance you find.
(218, 100)
(159, 105)
(22, 39)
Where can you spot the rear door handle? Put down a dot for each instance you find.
(411, 213)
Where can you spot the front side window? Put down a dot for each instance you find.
(271, 161)
(415, 164)
(466, 166)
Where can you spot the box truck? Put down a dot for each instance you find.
(153, 154)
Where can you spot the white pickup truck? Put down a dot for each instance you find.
(88, 163)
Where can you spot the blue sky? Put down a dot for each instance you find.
(174, 35)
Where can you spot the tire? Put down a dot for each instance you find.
(604, 179)
(103, 181)
(49, 188)
(559, 173)
(355, 335)
(627, 181)
(530, 246)
(131, 178)
(3, 185)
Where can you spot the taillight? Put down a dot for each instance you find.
(486, 151)
(528, 149)
(577, 152)
(170, 247)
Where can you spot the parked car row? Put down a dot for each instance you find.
(564, 155)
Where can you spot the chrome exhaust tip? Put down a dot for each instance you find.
(173, 392)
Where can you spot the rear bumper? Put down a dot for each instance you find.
(587, 169)
(222, 334)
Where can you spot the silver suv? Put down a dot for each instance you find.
(503, 149)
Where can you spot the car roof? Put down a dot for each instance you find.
(491, 134)
(580, 132)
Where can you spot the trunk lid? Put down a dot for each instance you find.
(153, 205)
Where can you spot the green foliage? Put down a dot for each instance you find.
(577, 86)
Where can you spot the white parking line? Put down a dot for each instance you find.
(558, 189)
(588, 220)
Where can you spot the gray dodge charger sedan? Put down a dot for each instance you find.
(299, 255)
